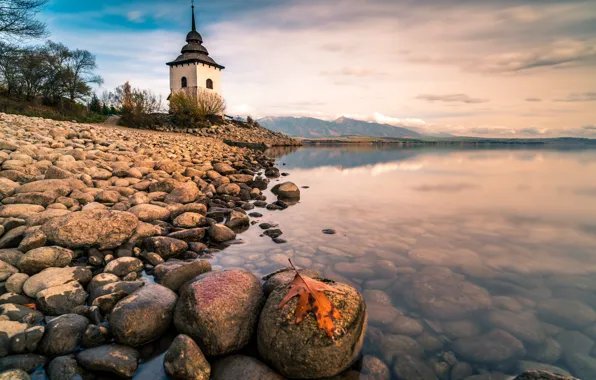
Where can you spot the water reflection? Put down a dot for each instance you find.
(471, 261)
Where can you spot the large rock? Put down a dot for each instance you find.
(7, 187)
(61, 299)
(220, 233)
(150, 213)
(120, 360)
(16, 210)
(190, 220)
(59, 187)
(54, 277)
(165, 247)
(174, 274)
(63, 335)
(220, 310)
(566, 313)
(243, 367)
(184, 360)
(39, 259)
(408, 367)
(494, 347)
(286, 191)
(143, 316)
(304, 350)
(186, 193)
(128, 287)
(524, 327)
(101, 228)
(446, 297)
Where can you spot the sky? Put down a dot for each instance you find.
(500, 68)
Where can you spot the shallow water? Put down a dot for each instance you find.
(460, 241)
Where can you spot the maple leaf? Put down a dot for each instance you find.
(312, 298)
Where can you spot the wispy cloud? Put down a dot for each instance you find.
(135, 16)
(355, 71)
(579, 97)
(533, 100)
(451, 98)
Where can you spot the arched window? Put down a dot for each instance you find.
(184, 82)
(210, 84)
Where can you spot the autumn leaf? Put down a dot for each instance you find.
(30, 306)
(312, 298)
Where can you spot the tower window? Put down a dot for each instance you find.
(210, 84)
(184, 82)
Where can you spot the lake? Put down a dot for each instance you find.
(474, 261)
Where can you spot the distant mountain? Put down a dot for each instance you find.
(309, 127)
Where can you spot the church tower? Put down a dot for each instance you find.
(194, 69)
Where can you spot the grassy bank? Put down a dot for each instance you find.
(67, 111)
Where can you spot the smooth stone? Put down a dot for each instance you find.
(393, 345)
(242, 367)
(174, 274)
(446, 297)
(221, 233)
(51, 277)
(127, 287)
(123, 266)
(143, 316)
(42, 258)
(524, 327)
(190, 220)
(101, 228)
(66, 368)
(61, 299)
(582, 366)
(119, 360)
(548, 352)
(14, 374)
(524, 365)
(185, 360)
(574, 342)
(149, 213)
(406, 326)
(27, 341)
(189, 235)
(220, 310)
(566, 313)
(63, 335)
(304, 350)
(408, 367)
(165, 247)
(491, 348)
(286, 191)
(542, 375)
(15, 283)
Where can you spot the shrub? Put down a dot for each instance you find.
(191, 109)
(137, 106)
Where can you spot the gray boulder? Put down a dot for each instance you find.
(63, 335)
(42, 258)
(54, 277)
(174, 274)
(304, 350)
(184, 360)
(120, 360)
(101, 228)
(61, 299)
(220, 310)
(143, 316)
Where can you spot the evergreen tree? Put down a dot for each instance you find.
(105, 110)
(94, 104)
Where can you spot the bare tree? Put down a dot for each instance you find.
(10, 57)
(79, 74)
(17, 19)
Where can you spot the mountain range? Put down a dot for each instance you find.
(309, 127)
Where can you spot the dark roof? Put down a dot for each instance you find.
(194, 51)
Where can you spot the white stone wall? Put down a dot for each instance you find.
(196, 76)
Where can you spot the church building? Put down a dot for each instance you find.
(194, 69)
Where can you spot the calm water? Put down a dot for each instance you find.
(448, 245)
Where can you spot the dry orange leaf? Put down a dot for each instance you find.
(312, 298)
(30, 306)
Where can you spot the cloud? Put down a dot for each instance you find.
(589, 128)
(579, 97)
(446, 188)
(532, 131)
(355, 71)
(451, 98)
(135, 16)
(533, 100)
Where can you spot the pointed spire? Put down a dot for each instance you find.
(194, 25)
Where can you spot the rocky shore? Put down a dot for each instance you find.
(106, 241)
